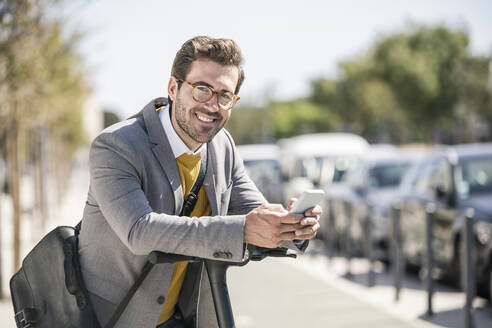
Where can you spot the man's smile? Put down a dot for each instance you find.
(204, 118)
(207, 118)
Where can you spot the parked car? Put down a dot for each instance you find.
(318, 160)
(366, 192)
(454, 179)
(262, 163)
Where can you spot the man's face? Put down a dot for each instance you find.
(197, 123)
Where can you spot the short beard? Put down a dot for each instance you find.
(180, 113)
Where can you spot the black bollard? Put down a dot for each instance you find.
(429, 263)
(369, 248)
(396, 250)
(468, 268)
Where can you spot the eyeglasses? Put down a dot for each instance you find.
(203, 93)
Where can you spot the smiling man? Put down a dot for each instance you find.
(142, 171)
(194, 124)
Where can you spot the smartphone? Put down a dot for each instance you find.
(308, 199)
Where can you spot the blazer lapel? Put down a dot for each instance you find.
(162, 150)
(209, 181)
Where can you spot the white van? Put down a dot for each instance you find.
(318, 160)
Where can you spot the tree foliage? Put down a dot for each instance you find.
(42, 88)
(299, 117)
(417, 85)
(44, 76)
(250, 124)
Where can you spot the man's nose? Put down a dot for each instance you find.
(213, 103)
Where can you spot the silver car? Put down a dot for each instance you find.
(262, 163)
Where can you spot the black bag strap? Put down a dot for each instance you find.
(191, 199)
(124, 302)
(73, 274)
(78, 227)
(188, 206)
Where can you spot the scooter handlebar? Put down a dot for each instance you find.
(252, 253)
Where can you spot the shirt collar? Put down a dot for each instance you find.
(177, 145)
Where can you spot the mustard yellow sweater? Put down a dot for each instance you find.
(189, 167)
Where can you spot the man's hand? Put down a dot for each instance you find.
(270, 224)
(310, 222)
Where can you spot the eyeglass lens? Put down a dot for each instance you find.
(203, 93)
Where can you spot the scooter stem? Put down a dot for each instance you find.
(216, 271)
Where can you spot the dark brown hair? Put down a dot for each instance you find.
(222, 51)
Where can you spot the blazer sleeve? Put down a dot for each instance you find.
(116, 174)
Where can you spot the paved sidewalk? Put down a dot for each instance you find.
(275, 293)
(448, 302)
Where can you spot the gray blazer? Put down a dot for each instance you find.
(132, 208)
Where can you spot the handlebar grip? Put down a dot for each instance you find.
(260, 253)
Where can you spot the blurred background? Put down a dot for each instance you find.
(383, 104)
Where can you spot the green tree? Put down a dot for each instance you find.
(422, 84)
(423, 69)
(42, 88)
(301, 116)
(251, 124)
(275, 120)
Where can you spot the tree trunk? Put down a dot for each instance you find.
(14, 173)
(61, 164)
(40, 172)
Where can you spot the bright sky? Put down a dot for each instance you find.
(131, 45)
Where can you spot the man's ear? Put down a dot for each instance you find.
(172, 88)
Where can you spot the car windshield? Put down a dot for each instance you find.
(474, 176)
(388, 175)
(263, 171)
(342, 166)
(325, 170)
(308, 167)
